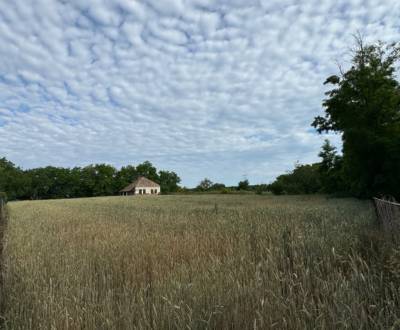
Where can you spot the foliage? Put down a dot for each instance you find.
(99, 180)
(304, 179)
(125, 176)
(3, 196)
(169, 181)
(89, 181)
(243, 185)
(51, 182)
(331, 169)
(13, 181)
(218, 187)
(147, 170)
(364, 106)
(260, 188)
(204, 185)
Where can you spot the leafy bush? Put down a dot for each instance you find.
(304, 179)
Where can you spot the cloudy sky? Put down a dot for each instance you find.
(224, 89)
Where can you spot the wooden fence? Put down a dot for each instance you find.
(388, 213)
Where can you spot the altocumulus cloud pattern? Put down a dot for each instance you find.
(206, 88)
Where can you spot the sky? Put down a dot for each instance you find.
(224, 89)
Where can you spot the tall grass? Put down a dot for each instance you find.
(3, 222)
(198, 262)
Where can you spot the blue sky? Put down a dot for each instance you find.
(224, 89)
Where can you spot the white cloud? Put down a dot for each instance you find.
(166, 34)
(207, 88)
(167, 7)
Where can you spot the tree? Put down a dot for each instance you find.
(330, 169)
(328, 155)
(13, 180)
(243, 185)
(147, 170)
(304, 179)
(204, 185)
(51, 182)
(278, 187)
(218, 187)
(260, 188)
(98, 180)
(125, 176)
(364, 106)
(168, 181)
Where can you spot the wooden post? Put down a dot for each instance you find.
(375, 201)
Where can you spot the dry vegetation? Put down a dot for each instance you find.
(197, 262)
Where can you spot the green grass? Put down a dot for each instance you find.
(198, 262)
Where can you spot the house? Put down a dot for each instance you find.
(141, 186)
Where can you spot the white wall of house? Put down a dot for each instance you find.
(147, 190)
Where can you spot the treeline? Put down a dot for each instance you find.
(364, 107)
(207, 186)
(323, 177)
(89, 181)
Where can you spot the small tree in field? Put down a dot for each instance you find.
(331, 169)
(243, 185)
(204, 185)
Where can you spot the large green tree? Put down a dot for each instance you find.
(99, 180)
(126, 175)
(13, 180)
(364, 106)
(51, 182)
(168, 181)
(243, 185)
(148, 170)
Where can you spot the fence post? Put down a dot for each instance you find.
(375, 202)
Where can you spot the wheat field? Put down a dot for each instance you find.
(198, 262)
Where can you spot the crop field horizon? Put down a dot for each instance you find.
(198, 262)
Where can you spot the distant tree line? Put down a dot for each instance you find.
(322, 177)
(89, 181)
(207, 186)
(364, 107)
